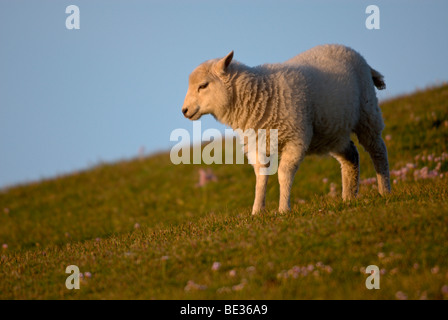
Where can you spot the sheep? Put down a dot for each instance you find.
(315, 100)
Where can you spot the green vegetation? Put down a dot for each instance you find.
(142, 229)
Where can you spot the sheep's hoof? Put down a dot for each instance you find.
(256, 211)
(284, 210)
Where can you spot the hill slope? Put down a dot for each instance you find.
(143, 229)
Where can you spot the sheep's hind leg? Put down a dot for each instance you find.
(291, 158)
(376, 148)
(349, 160)
(260, 190)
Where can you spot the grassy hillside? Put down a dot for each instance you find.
(143, 229)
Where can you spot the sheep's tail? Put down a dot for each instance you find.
(378, 79)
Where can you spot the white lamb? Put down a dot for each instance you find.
(315, 101)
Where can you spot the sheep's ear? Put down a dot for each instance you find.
(222, 65)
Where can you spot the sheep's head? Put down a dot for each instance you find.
(207, 93)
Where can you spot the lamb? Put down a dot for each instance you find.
(315, 101)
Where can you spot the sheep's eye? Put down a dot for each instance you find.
(203, 86)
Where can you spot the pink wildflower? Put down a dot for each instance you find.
(206, 176)
(216, 266)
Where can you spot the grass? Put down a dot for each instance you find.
(141, 229)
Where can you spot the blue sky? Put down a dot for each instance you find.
(70, 99)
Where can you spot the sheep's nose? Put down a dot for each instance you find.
(184, 111)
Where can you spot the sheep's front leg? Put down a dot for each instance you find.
(260, 190)
(291, 157)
